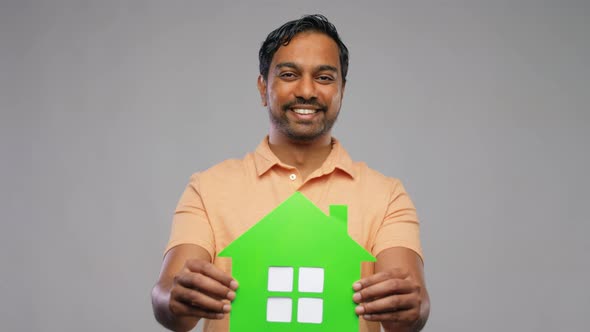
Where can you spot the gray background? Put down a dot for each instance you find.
(481, 108)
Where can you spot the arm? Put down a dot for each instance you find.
(190, 288)
(396, 294)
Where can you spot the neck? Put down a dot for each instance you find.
(303, 155)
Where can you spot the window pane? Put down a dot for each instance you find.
(280, 279)
(309, 310)
(278, 309)
(311, 279)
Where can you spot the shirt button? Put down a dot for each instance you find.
(292, 177)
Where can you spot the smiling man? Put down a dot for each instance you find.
(303, 67)
(306, 87)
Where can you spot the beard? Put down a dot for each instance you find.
(302, 130)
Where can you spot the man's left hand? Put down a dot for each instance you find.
(391, 297)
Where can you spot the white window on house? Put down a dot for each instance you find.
(311, 280)
(279, 308)
(280, 279)
(310, 310)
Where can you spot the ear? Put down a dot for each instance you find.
(262, 89)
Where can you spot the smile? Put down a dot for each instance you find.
(304, 111)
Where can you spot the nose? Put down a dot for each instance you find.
(306, 88)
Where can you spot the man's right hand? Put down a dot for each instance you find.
(201, 290)
(190, 288)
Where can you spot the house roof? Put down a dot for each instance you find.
(297, 230)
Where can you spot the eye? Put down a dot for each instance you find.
(287, 75)
(325, 78)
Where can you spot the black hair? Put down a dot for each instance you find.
(283, 35)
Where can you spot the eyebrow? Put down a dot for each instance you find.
(286, 64)
(296, 67)
(328, 68)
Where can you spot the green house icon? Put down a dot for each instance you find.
(296, 268)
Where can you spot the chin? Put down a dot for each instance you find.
(305, 137)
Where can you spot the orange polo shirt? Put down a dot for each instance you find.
(221, 203)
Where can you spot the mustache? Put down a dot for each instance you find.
(302, 101)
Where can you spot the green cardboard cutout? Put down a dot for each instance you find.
(296, 268)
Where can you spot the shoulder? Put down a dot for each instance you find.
(230, 170)
(375, 179)
(363, 175)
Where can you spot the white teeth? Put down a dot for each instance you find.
(304, 111)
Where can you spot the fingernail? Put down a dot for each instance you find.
(233, 285)
(367, 317)
(226, 308)
(357, 286)
(356, 297)
(231, 295)
(359, 310)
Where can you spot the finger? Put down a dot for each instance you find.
(389, 304)
(212, 271)
(205, 284)
(386, 288)
(403, 316)
(183, 309)
(379, 277)
(199, 300)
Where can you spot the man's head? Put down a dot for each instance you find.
(283, 35)
(303, 65)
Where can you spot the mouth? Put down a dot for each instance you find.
(304, 111)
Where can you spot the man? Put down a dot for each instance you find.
(303, 67)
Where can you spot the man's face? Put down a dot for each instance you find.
(304, 88)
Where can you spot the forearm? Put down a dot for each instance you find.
(160, 304)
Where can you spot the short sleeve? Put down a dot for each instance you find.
(190, 224)
(400, 226)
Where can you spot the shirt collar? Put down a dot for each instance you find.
(265, 159)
